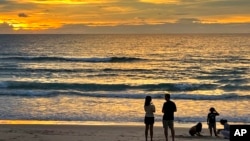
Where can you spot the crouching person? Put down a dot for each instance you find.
(196, 130)
(226, 130)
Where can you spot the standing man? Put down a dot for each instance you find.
(168, 110)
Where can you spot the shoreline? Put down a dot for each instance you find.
(104, 123)
(87, 123)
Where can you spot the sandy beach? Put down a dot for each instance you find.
(17, 132)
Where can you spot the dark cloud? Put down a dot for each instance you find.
(12, 5)
(23, 15)
(226, 6)
(167, 28)
(185, 26)
(4, 1)
(227, 3)
(5, 28)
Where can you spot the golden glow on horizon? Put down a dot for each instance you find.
(42, 23)
(20, 26)
(236, 19)
(227, 20)
(33, 26)
(118, 9)
(30, 23)
(65, 1)
(161, 1)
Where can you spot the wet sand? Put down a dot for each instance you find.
(19, 132)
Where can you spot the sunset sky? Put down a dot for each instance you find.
(124, 16)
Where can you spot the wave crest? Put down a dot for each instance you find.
(54, 58)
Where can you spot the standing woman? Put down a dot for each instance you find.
(149, 117)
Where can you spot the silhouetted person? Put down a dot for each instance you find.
(196, 130)
(168, 109)
(226, 130)
(149, 117)
(211, 120)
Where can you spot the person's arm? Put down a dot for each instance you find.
(226, 127)
(163, 107)
(153, 108)
(215, 113)
(208, 119)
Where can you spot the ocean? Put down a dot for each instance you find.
(105, 78)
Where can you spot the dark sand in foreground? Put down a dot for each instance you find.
(16, 132)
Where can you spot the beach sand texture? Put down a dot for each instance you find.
(92, 133)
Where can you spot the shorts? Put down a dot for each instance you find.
(212, 125)
(168, 124)
(149, 120)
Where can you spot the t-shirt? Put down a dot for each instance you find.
(226, 127)
(212, 117)
(150, 109)
(169, 108)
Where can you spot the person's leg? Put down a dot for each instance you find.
(215, 133)
(151, 131)
(225, 133)
(166, 133)
(171, 126)
(172, 133)
(210, 129)
(165, 126)
(146, 131)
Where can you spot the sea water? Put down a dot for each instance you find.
(105, 78)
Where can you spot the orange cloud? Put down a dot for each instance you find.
(65, 1)
(161, 1)
(226, 19)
